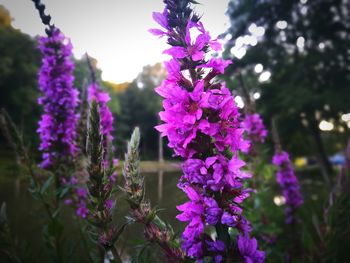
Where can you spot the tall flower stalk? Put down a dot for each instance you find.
(201, 122)
(155, 230)
(289, 184)
(101, 200)
(290, 187)
(286, 178)
(57, 127)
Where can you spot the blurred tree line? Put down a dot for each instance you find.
(133, 104)
(305, 46)
(19, 64)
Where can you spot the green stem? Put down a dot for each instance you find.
(116, 256)
(222, 232)
(85, 244)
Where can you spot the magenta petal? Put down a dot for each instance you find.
(176, 52)
(215, 45)
(210, 160)
(157, 32)
(192, 194)
(202, 40)
(160, 19)
(198, 55)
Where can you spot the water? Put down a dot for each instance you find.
(26, 217)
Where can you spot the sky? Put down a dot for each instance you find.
(115, 32)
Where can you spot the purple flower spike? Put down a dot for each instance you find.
(57, 127)
(255, 128)
(201, 122)
(289, 184)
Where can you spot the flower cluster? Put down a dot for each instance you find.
(57, 127)
(255, 128)
(201, 122)
(79, 198)
(289, 183)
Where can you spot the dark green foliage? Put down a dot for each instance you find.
(139, 106)
(337, 232)
(7, 243)
(19, 64)
(42, 188)
(307, 83)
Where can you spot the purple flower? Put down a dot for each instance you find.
(289, 184)
(193, 49)
(248, 248)
(57, 127)
(212, 211)
(109, 204)
(228, 219)
(201, 122)
(81, 192)
(68, 201)
(217, 65)
(82, 210)
(218, 247)
(255, 128)
(161, 19)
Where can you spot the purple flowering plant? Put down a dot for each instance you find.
(89, 188)
(255, 128)
(289, 184)
(201, 122)
(57, 127)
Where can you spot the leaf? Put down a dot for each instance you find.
(56, 213)
(3, 214)
(47, 184)
(63, 192)
(119, 232)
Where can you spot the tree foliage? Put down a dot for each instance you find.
(305, 47)
(139, 105)
(19, 63)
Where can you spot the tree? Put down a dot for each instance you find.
(304, 44)
(5, 17)
(19, 64)
(139, 106)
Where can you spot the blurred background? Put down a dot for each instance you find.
(291, 57)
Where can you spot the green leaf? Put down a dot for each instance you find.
(3, 214)
(62, 192)
(47, 184)
(119, 232)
